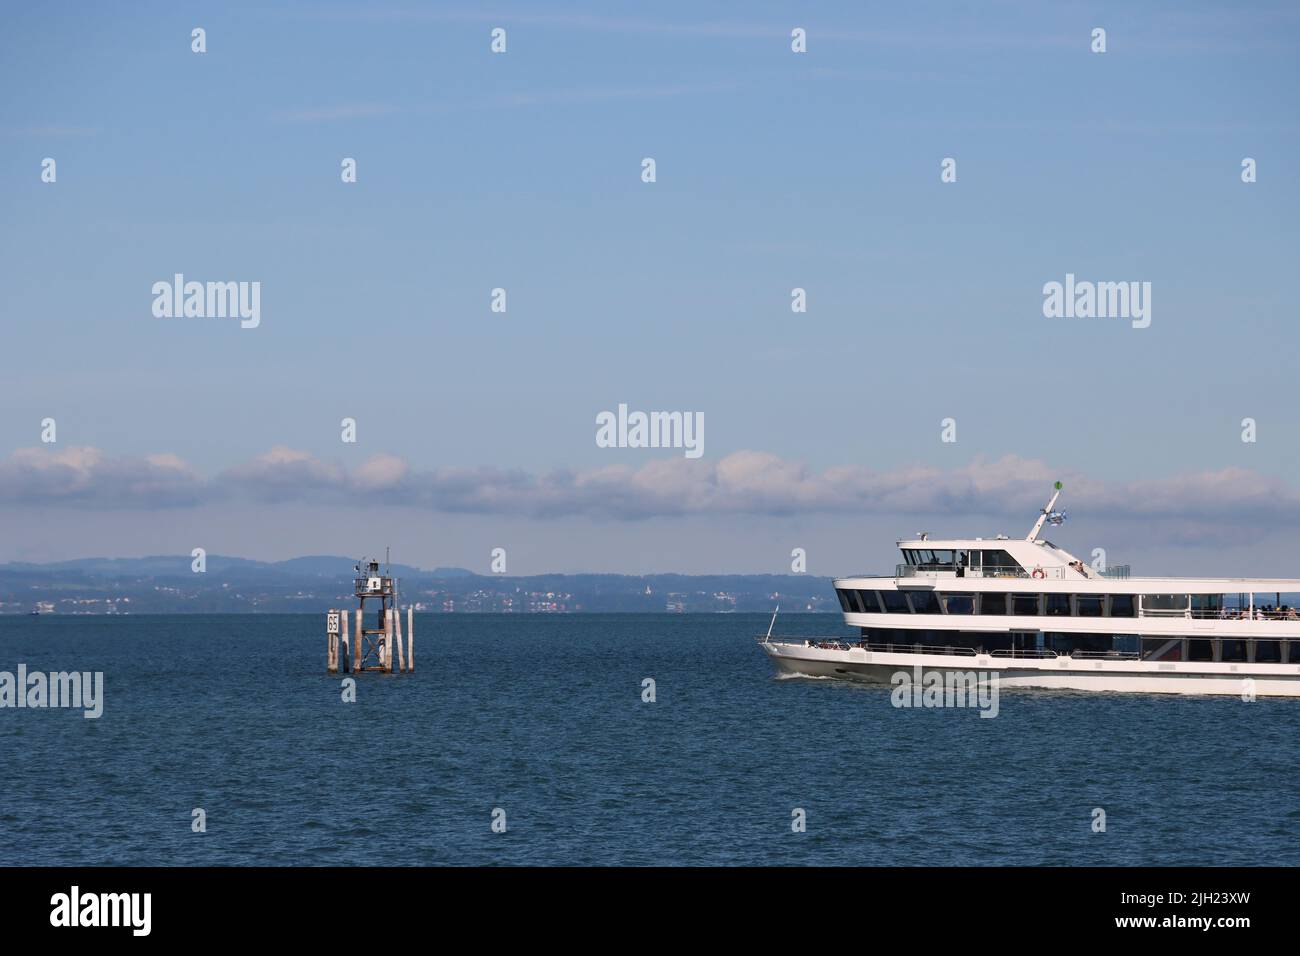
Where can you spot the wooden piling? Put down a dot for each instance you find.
(331, 646)
(410, 639)
(388, 641)
(344, 645)
(397, 635)
(356, 651)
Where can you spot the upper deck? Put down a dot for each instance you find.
(1002, 563)
(1063, 579)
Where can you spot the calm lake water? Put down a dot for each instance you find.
(542, 717)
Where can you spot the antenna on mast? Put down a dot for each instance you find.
(1047, 514)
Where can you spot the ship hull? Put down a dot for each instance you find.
(1055, 673)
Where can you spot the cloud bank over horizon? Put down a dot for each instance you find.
(742, 483)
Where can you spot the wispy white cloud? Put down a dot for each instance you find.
(86, 476)
(742, 483)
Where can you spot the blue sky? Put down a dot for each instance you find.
(522, 171)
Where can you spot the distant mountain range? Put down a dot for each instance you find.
(166, 584)
(323, 565)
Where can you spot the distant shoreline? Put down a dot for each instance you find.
(313, 613)
(170, 585)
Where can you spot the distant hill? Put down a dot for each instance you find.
(331, 566)
(167, 584)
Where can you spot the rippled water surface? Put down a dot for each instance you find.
(543, 718)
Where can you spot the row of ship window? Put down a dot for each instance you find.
(1151, 648)
(957, 602)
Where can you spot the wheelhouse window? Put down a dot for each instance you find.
(843, 595)
(993, 602)
(958, 603)
(998, 563)
(894, 602)
(868, 601)
(1025, 604)
(928, 559)
(925, 602)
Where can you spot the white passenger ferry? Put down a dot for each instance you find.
(1034, 615)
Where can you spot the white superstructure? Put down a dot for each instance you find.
(1037, 616)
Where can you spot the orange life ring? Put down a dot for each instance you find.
(1039, 573)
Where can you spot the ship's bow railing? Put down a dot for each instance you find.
(842, 644)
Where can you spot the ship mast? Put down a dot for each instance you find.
(1038, 525)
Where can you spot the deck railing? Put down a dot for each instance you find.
(988, 571)
(1052, 574)
(1006, 571)
(1224, 614)
(916, 649)
(834, 644)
